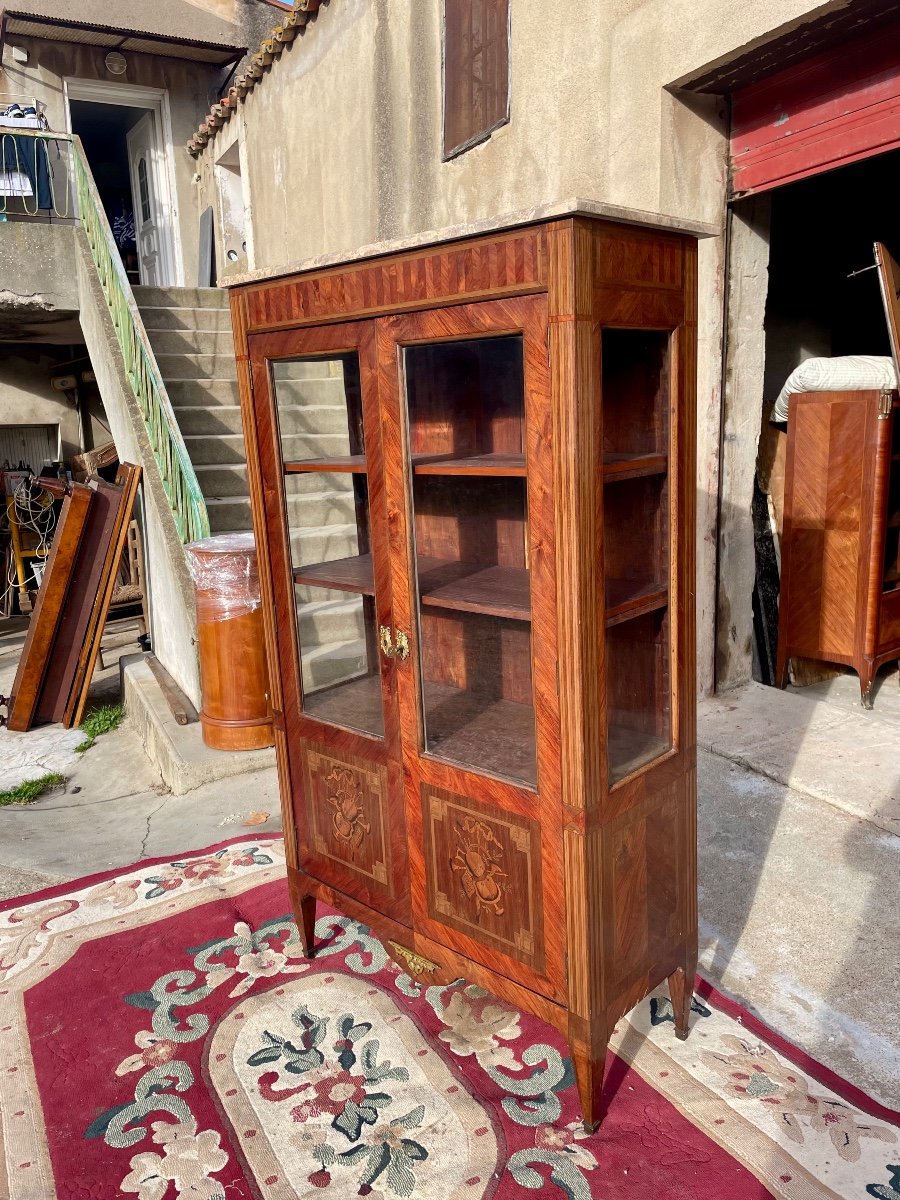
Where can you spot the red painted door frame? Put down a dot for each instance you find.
(834, 109)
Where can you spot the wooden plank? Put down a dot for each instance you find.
(350, 463)
(80, 600)
(182, 709)
(45, 619)
(494, 591)
(477, 464)
(354, 574)
(127, 478)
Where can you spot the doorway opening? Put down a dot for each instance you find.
(823, 300)
(124, 135)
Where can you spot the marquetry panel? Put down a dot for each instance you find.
(484, 873)
(826, 507)
(634, 258)
(346, 800)
(514, 263)
(644, 856)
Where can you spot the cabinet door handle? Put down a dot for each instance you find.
(401, 645)
(387, 644)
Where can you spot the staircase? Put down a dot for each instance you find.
(190, 332)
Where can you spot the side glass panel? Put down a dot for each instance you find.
(636, 497)
(465, 403)
(327, 502)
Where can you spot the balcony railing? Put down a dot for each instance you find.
(56, 184)
(36, 179)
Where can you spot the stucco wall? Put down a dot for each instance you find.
(26, 397)
(191, 88)
(342, 145)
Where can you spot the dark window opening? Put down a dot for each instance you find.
(476, 71)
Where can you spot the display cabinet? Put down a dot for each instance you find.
(840, 546)
(472, 477)
(839, 600)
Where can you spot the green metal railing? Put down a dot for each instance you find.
(74, 194)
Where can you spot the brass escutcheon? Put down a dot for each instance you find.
(415, 963)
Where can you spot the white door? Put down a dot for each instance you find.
(148, 208)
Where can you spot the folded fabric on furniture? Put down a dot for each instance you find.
(848, 373)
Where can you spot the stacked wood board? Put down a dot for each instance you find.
(64, 634)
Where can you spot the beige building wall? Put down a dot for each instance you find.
(26, 397)
(341, 145)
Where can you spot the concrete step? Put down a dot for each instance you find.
(204, 450)
(322, 368)
(207, 449)
(215, 319)
(323, 544)
(229, 515)
(196, 366)
(219, 480)
(324, 665)
(314, 390)
(180, 297)
(191, 341)
(323, 623)
(196, 419)
(316, 418)
(204, 392)
(310, 508)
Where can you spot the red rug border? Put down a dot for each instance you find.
(70, 885)
(816, 1070)
(800, 1058)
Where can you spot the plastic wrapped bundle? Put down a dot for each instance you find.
(234, 682)
(223, 569)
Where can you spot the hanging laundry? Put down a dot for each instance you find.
(25, 168)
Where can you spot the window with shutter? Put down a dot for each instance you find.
(476, 71)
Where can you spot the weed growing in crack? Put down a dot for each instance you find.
(26, 792)
(99, 720)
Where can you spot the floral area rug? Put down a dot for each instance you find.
(162, 1037)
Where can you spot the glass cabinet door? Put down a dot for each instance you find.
(465, 407)
(636, 397)
(320, 423)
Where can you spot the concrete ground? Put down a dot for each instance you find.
(799, 885)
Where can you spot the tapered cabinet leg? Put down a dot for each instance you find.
(866, 684)
(681, 992)
(589, 1063)
(304, 906)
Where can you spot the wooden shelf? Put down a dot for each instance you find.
(355, 704)
(628, 598)
(344, 574)
(477, 464)
(633, 466)
(493, 591)
(629, 749)
(497, 736)
(347, 463)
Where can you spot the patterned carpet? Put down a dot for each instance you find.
(162, 1036)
